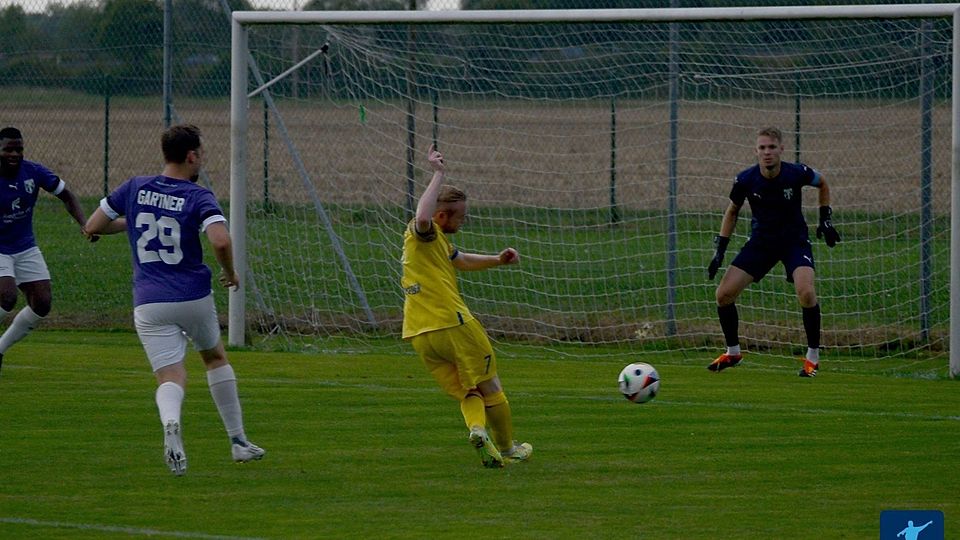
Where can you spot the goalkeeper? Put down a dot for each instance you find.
(452, 344)
(778, 234)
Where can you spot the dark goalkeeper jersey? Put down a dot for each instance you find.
(776, 203)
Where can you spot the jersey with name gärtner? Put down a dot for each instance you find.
(776, 203)
(165, 217)
(18, 196)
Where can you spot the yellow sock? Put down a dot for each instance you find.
(500, 420)
(472, 408)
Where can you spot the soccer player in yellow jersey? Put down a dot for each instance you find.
(452, 344)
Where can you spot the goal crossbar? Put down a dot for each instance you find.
(904, 11)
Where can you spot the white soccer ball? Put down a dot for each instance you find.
(639, 382)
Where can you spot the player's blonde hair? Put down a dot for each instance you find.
(772, 132)
(450, 194)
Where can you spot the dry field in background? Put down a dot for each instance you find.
(508, 153)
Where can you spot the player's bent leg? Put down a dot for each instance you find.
(499, 417)
(38, 306)
(471, 407)
(734, 281)
(501, 424)
(222, 382)
(39, 295)
(803, 281)
(171, 381)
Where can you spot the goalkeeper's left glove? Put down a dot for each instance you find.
(825, 230)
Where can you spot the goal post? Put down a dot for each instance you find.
(391, 70)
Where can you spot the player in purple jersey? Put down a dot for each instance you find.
(21, 262)
(778, 234)
(163, 216)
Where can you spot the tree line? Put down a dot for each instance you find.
(116, 46)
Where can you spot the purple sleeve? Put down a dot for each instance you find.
(46, 179)
(117, 201)
(207, 206)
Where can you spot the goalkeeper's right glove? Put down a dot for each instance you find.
(720, 244)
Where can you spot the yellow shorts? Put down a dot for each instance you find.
(459, 357)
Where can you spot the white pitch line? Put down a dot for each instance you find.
(124, 530)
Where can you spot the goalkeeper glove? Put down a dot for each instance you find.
(720, 244)
(825, 230)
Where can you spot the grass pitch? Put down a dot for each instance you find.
(362, 446)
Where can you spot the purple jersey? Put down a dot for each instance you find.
(18, 196)
(776, 203)
(165, 217)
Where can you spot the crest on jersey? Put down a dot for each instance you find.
(29, 185)
(788, 194)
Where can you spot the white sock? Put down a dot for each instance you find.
(223, 388)
(813, 355)
(169, 402)
(733, 350)
(22, 324)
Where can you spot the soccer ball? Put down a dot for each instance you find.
(639, 382)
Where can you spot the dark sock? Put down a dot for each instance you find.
(730, 323)
(811, 323)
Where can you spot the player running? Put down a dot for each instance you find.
(452, 344)
(21, 262)
(163, 216)
(778, 234)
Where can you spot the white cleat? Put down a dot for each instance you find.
(519, 452)
(244, 451)
(173, 452)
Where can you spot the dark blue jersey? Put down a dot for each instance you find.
(18, 195)
(776, 203)
(165, 217)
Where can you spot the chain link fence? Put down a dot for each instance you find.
(92, 83)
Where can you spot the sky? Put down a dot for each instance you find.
(33, 6)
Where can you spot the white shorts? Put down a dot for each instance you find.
(24, 267)
(164, 328)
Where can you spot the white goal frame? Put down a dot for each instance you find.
(242, 64)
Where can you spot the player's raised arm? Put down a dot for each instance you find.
(428, 200)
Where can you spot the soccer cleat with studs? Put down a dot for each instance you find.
(173, 452)
(489, 455)
(809, 368)
(725, 361)
(519, 452)
(244, 451)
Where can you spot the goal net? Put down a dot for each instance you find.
(604, 152)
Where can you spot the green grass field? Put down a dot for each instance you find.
(365, 446)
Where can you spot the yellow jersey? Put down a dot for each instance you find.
(432, 298)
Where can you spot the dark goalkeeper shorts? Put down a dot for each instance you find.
(759, 257)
